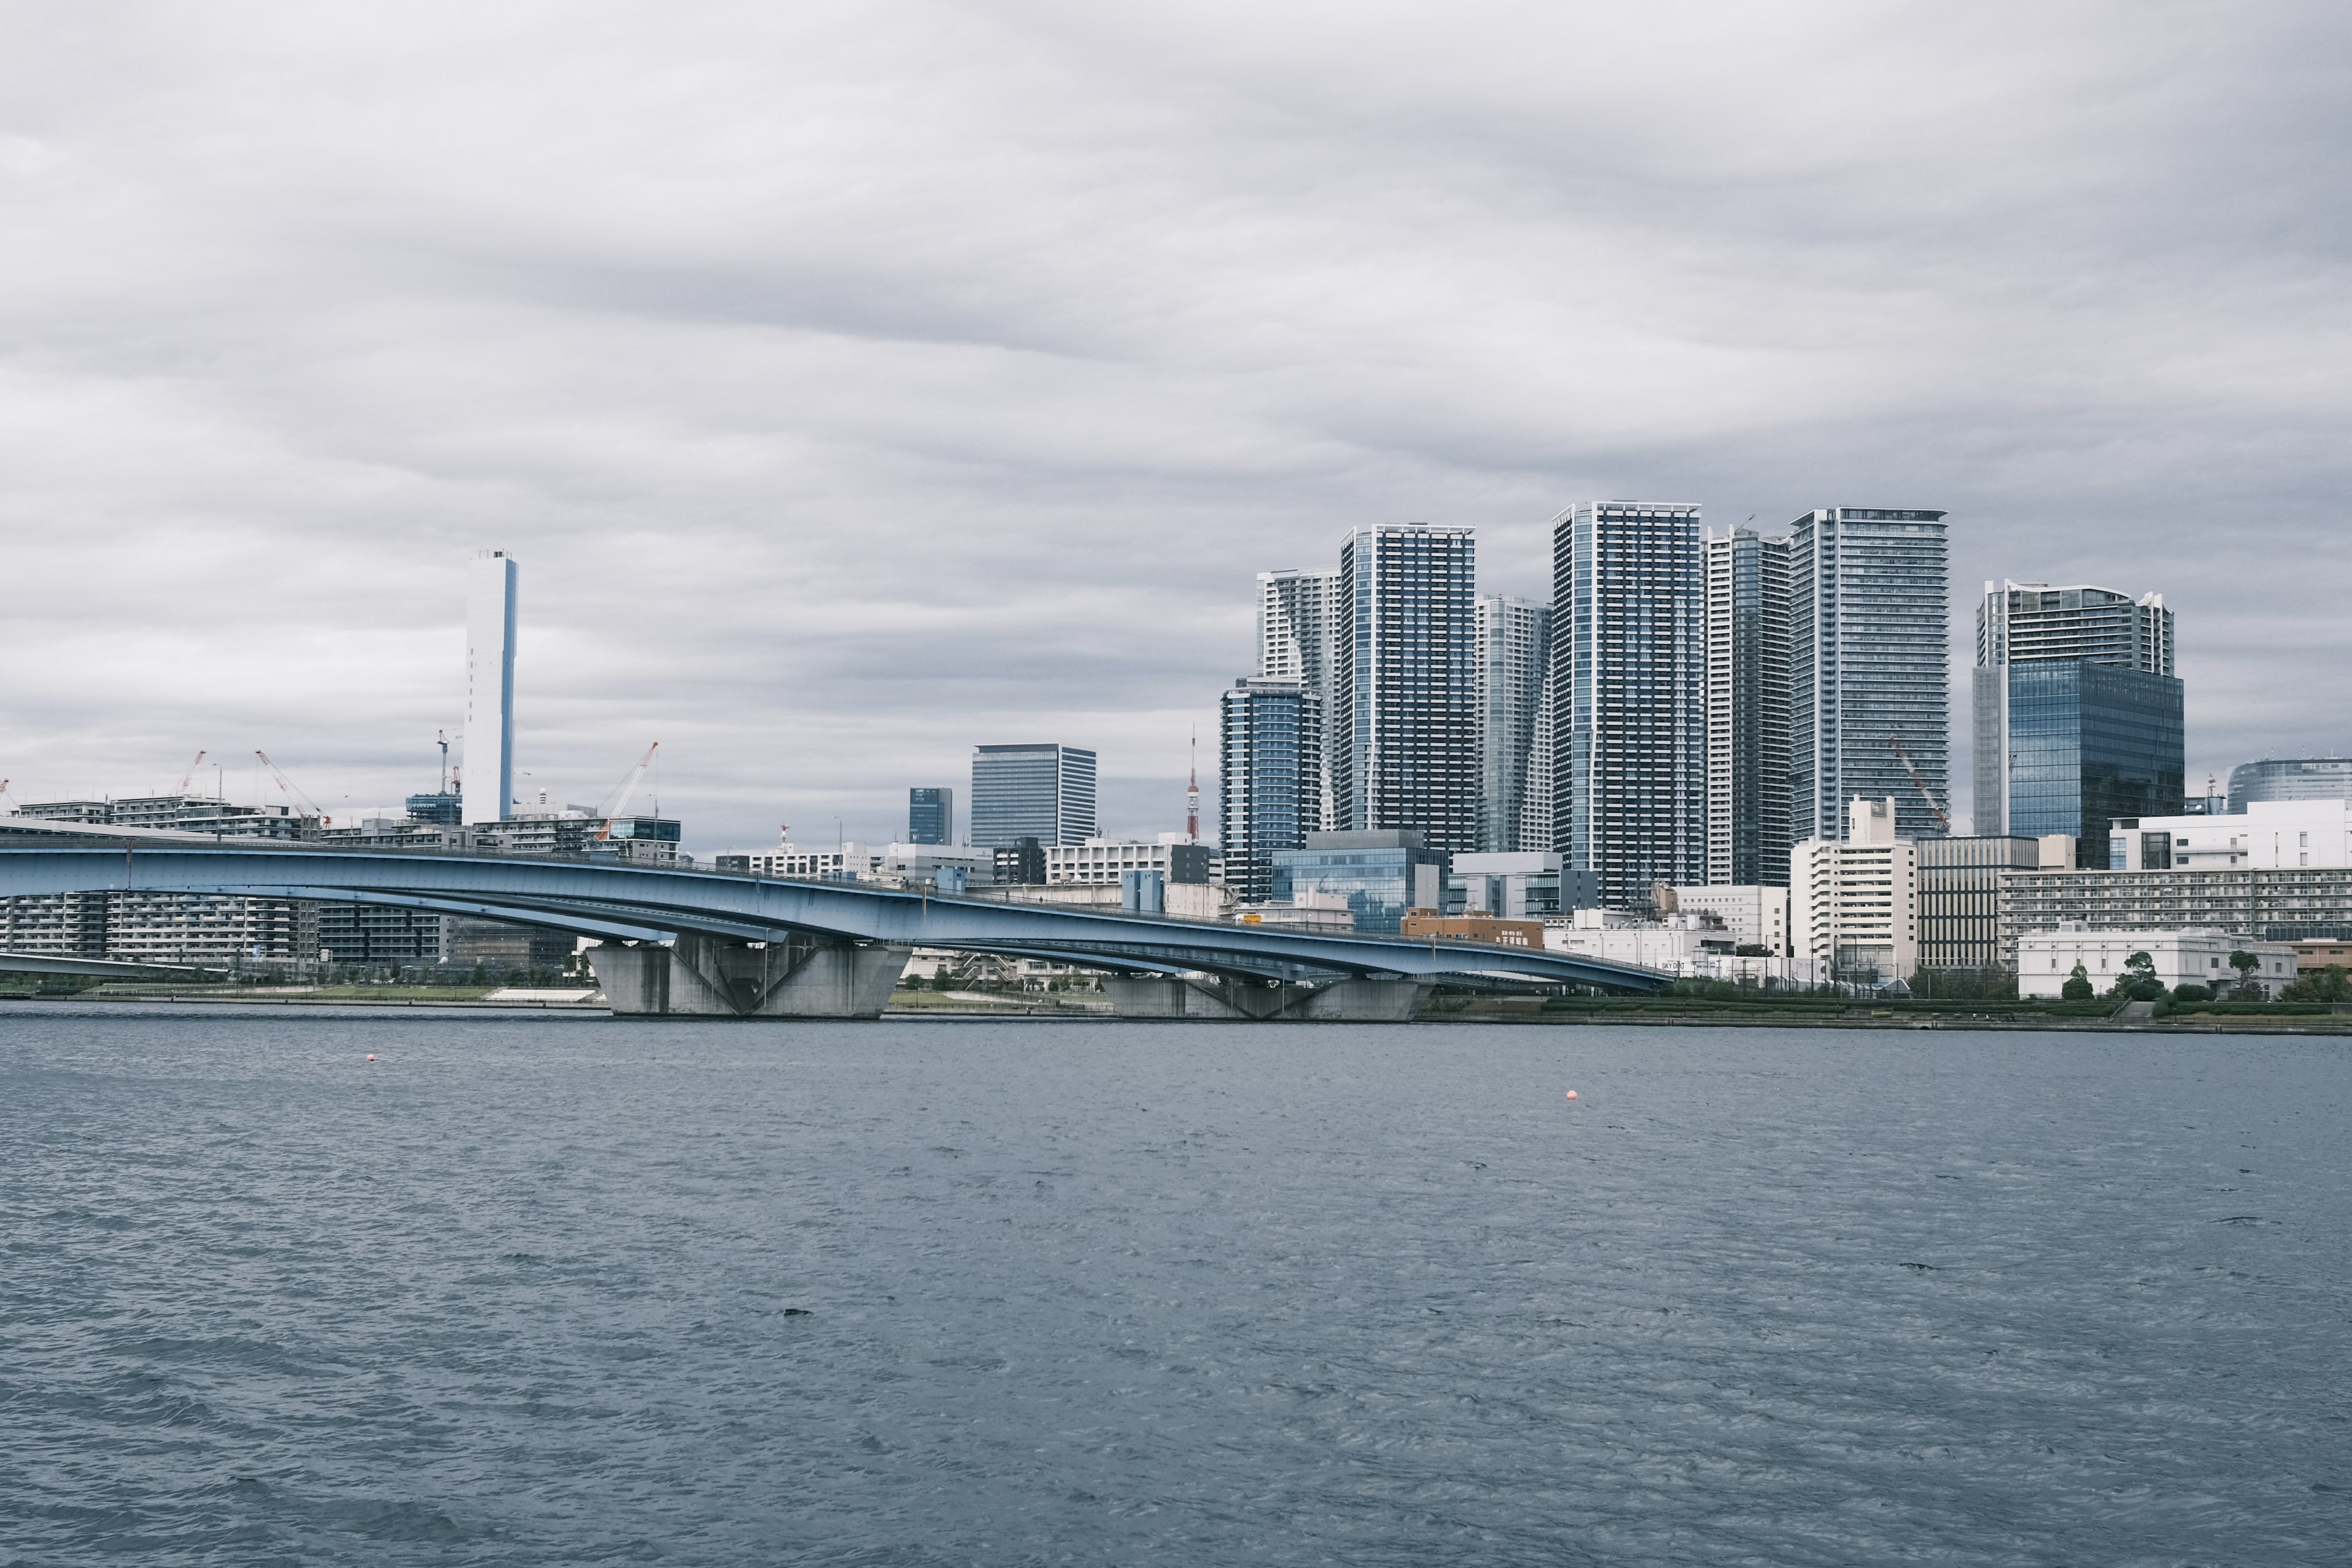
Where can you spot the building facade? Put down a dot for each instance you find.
(1271, 789)
(1754, 915)
(2046, 959)
(487, 790)
(1629, 756)
(1520, 884)
(1379, 874)
(2078, 714)
(2297, 904)
(2290, 778)
(2269, 834)
(930, 814)
(1853, 904)
(1513, 654)
(1959, 894)
(1869, 668)
(1106, 860)
(1404, 724)
(1297, 640)
(1747, 776)
(1041, 792)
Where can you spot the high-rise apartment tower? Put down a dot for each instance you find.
(1629, 757)
(1869, 669)
(1298, 622)
(1270, 787)
(1748, 774)
(1513, 653)
(1403, 723)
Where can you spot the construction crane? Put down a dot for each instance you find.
(287, 785)
(188, 780)
(1917, 783)
(620, 797)
(441, 737)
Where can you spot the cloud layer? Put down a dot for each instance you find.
(858, 383)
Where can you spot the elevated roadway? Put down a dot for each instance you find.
(697, 941)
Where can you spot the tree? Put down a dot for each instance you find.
(2078, 986)
(2248, 988)
(2330, 984)
(2191, 994)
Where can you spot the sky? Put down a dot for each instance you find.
(856, 383)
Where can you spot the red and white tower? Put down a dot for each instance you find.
(1193, 795)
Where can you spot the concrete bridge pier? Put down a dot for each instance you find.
(716, 977)
(1228, 999)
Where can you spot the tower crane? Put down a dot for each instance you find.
(188, 780)
(1917, 783)
(620, 797)
(287, 785)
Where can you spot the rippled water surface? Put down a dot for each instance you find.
(561, 1290)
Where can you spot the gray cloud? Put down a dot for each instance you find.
(857, 385)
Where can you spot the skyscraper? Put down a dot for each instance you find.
(1270, 789)
(1514, 653)
(1629, 758)
(1041, 792)
(1869, 668)
(2078, 714)
(488, 789)
(1404, 723)
(1297, 620)
(2290, 778)
(930, 814)
(1747, 782)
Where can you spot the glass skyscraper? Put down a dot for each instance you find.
(1747, 776)
(1402, 725)
(1869, 669)
(1042, 792)
(930, 815)
(2291, 778)
(1270, 791)
(1629, 756)
(2078, 713)
(1514, 652)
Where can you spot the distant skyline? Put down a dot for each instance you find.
(855, 387)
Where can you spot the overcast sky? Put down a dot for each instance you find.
(858, 383)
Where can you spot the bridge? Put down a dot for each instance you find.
(690, 942)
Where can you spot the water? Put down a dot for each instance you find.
(560, 1292)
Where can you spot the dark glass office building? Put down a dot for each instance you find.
(1381, 873)
(2089, 744)
(1271, 789)
(930, 815)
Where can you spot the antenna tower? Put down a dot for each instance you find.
(1193, 795)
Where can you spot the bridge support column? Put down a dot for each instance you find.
(714, 977)
(1333, 1002)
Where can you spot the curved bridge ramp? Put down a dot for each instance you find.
(697, 943)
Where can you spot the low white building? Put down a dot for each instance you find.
(1751, 916)
(1174, 856)
(898, 864)
(2268, 836)
(1692, 945)
(1854, 907)
(2046, 959)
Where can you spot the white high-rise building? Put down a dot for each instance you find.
(1514, 653)
(1854, 905)
(1747, 710)
(1297, 628)
(1402, 727)
(489, 788)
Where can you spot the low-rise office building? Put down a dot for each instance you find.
(1959, 893)
(1380, 872)
(1174, 856)
(2198, 956)
(1428, 925)
(1517, 885)
(1749, 916)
